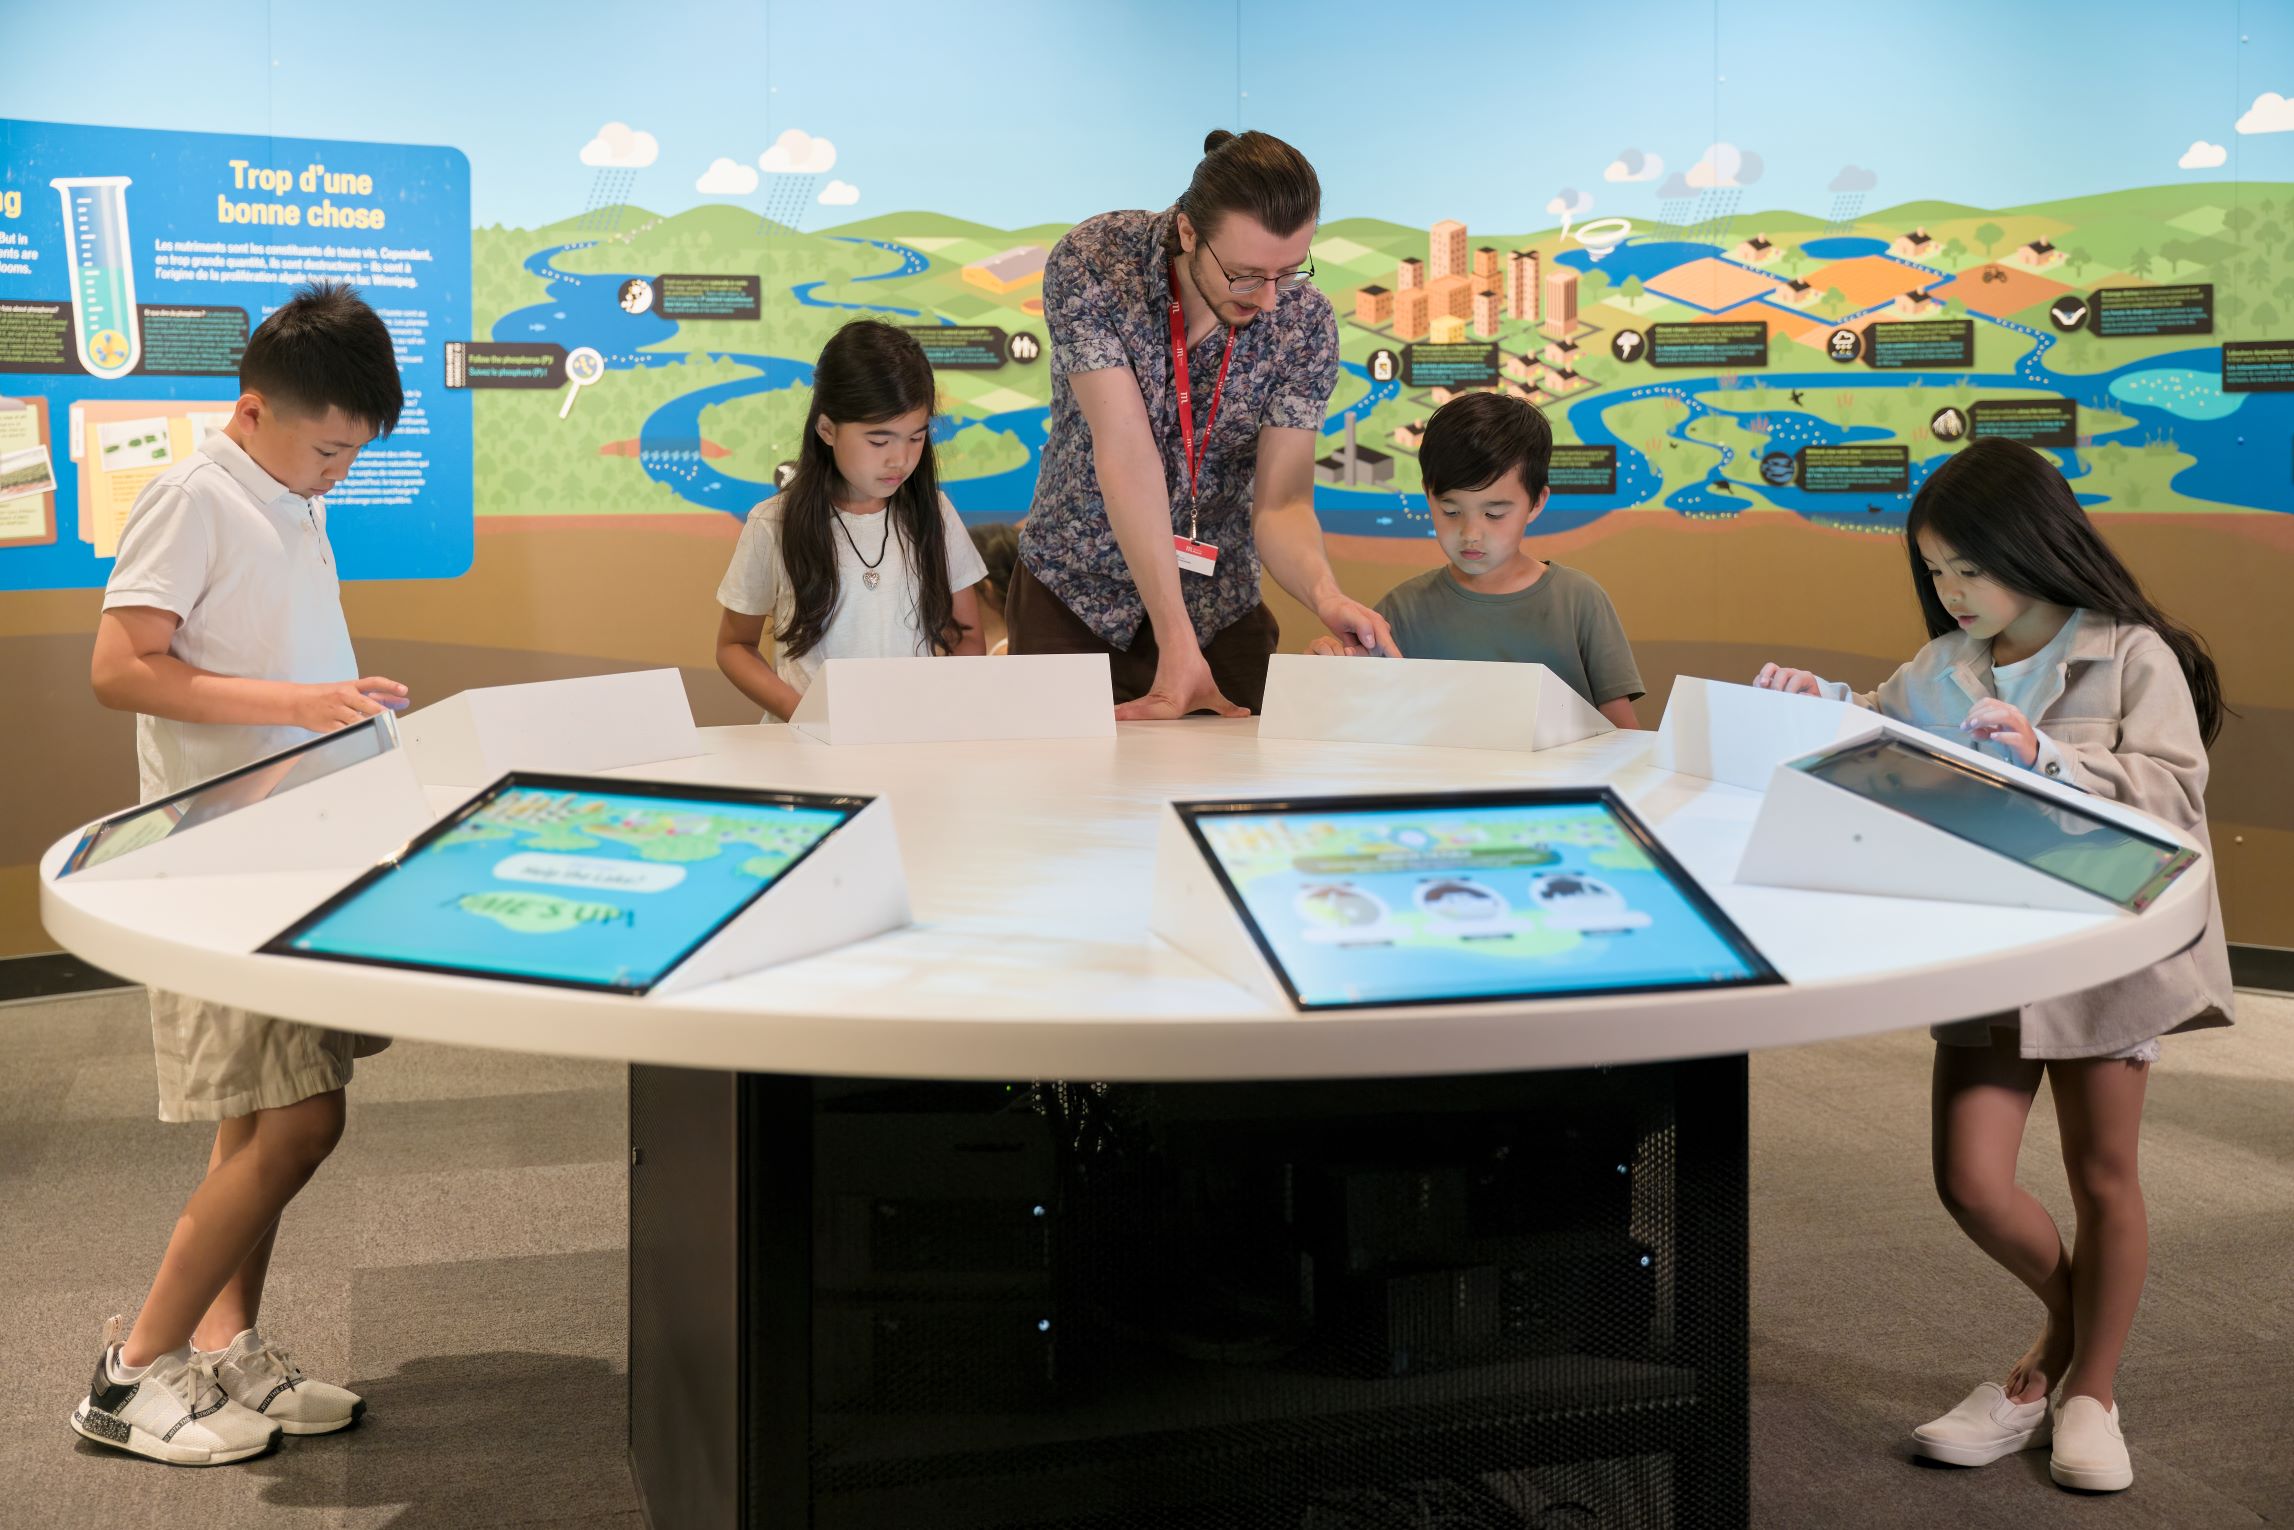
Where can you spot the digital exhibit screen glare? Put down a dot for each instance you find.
(110, 838)
(571, 881)
(1448, 898)
(2067, 842)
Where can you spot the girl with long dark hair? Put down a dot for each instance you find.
(2045, 650)
(860, 555)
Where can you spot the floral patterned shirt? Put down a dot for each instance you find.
(1107, 302)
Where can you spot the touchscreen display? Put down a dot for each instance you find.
(211, 799)
(570, 880)
(2086, 849)
(1441, 899)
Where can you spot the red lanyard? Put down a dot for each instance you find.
(1185, 384)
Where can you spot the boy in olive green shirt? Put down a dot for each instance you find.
(1483, 460)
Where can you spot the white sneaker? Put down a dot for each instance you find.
(1983, 1428)
(258, 1375)
(172, 1411)
(2090, 1451)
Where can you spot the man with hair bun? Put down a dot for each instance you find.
(1192, 363)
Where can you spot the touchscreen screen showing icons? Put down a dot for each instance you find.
(2044, 832)
(576, 881)
(1440, 899)
(249, 784)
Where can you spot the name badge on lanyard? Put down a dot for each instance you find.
(1195, 556)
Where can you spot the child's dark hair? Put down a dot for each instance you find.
(868, 372)
(1475, 439)
(1255, 173)
(999, 548)
(2004, 508)
(325, 348)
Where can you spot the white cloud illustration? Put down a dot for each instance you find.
(797, 152)
(2270, 113)
(1853, 178)
(839, 194)
(2202, 155)
(726, 178)
(1633, 165)
(618, 146)
(1724, 164)
(1569, 203)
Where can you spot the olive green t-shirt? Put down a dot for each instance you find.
(1564, 621)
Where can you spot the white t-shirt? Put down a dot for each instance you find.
(2025, 684)
(869, 624)
(244, 564)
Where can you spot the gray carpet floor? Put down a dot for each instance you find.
(461, 1263)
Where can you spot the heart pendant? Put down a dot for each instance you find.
(871, 578)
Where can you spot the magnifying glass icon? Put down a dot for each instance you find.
(583, 366)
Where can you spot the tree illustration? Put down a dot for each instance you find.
(1987, 235)
(2266, 317)
(2237, 221)
(1954, 253)
(1631, 290)
(2140, 263)
(2078, 260)
(1835, 301)
(2230, 306)
(2284, 291)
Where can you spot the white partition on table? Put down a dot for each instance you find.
(595, 722)
(345, 820)
(850, 887)
(1192, 912)
(1440, 703)
(1738, 734)
(1814, 835)
(956, 700)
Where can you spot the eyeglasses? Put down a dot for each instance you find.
(1244, 286)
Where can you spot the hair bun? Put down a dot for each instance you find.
(1216, 139)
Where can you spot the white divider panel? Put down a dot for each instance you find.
(852, 886)
(346, 821)
(956, 700)
(1738, 734)
(1441, 703)
(1811, 834)
(1193, 913)
(596, 722)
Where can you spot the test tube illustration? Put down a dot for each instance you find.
(103, 273)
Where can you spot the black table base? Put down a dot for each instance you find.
(1484, 1301)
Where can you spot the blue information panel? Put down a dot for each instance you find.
(133, 265)
(569, 880)
(1437, 899)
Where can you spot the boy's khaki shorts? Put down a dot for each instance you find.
(216, 1062)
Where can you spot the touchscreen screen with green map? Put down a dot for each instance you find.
(1448, 898)
(2068, 842)
(576, 881)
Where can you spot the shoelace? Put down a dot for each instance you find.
(269, 1359)
(188, 1383)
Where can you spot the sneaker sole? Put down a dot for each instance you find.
(1975, 1455)
(151, 1447)
(327, 1426)
(2113, 1479)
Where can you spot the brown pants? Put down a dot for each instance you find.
(1040, 622)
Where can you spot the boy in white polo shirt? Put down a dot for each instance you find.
(222, 629)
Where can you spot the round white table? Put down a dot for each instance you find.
(882, 1274)
(1030, 868)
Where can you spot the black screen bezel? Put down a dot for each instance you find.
(282, 944)
(1192, 814)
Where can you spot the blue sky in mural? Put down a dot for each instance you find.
(1017, 114)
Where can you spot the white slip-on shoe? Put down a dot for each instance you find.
(259, 1375)
(2090, 1450)
(1983, 1428)
(173, 1412)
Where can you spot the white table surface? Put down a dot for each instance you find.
(1030, 866)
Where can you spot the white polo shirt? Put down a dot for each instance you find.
(243, 563)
